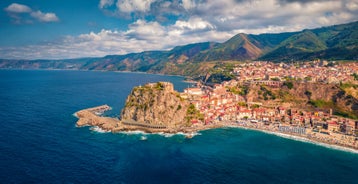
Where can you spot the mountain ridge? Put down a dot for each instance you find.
(337, 42)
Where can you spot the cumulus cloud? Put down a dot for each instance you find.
(44, 17)
(15, 10)
(105, 3)
(188, 4)
(134, 5)
(194, 23)
(164, 24)
(227, 15)
(18, 8)
(140, 36)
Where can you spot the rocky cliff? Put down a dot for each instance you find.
(155, 104)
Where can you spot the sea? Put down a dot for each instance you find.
(40, 143)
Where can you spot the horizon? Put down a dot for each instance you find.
(98, 28)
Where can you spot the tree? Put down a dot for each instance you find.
(275, 79)
(355, 76)
(288, 84)
(308, 94)
(308, 78)
(193, 113)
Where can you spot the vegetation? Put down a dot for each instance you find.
(234, 90)
(321, 103)
(289, 84)
(255, 106)
(221, 71)
(275, 79)
(331, 43)
(308, 78)
(355, 76)
(308, 94)
(244, 90)
(242, 104)
(159, 86)
(346, 114)
(193, 113)
(267, 94)
(179, 107)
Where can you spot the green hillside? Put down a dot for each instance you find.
(332, 43)
(338, 42)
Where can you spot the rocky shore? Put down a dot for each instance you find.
(89, 117)
(158, 108)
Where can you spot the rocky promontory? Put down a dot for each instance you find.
(156, 104)
(154, 107)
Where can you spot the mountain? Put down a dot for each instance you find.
(243, 47)
(338, 42)
(333, 43)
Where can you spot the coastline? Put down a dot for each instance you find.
(301, 139)
(90, 117)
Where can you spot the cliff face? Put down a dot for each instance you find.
(155, 104)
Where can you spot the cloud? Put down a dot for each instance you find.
(239, 14)
(45, 17)
(15, 10)
(194, 23)
(352, 6)
(134, 5)
(188, 4)
(105, 3)
(18, 8)
(140, 36)
(164, 24)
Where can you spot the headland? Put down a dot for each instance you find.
(307, 109)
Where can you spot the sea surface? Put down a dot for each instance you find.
(39, 142)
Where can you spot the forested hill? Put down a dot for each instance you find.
(338, 42)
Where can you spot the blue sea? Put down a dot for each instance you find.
(39, 142)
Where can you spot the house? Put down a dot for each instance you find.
(333, 126)
(244, 113)
(193, 91)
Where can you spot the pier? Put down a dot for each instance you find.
(99, 109)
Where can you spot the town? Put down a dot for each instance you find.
(228, 102)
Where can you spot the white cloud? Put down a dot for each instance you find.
(145, 30)
(134, 5)
(44, 17)
(141, 36)
(18, 8)
(352, 6)
(105, 3)
(194, 21)
(15, 10)
(229, 15)
(188, 4)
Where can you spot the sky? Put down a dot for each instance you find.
(60, 29)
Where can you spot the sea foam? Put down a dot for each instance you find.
(98, 129)
(167, 135)
(303, 139)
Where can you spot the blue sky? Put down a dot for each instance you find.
(58, 29)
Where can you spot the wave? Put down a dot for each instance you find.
(75, 115)
(167, 135)
(134, 132)
(306, 140)
(98, 129)
(303, 139)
